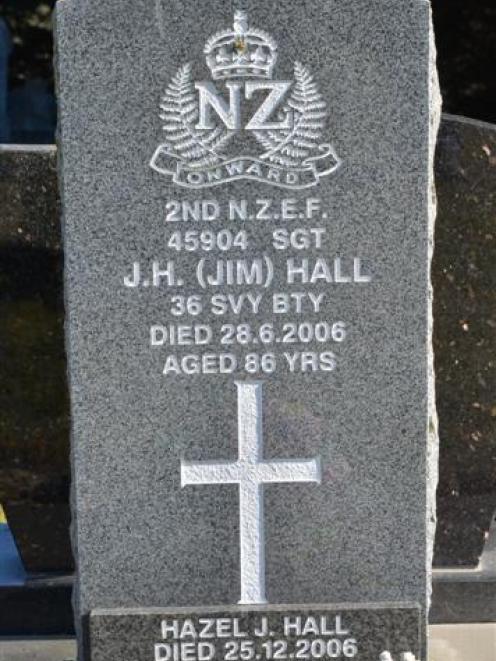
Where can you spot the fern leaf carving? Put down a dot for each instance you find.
(289, 147)
(179, 112)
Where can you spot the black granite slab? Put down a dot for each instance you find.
(34, 465)
(44, 607)
(367, 633)
(464, 279)
(34, 420)
(37, 608)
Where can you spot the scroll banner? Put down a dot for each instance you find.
(246, 167)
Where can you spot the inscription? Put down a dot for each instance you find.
(205, 274)
(238, 210)
(379, 632)
(302, 637)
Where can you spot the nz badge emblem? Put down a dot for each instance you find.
(275, 126)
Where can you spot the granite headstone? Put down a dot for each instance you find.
(248, 202)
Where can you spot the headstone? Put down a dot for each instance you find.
(248, 199)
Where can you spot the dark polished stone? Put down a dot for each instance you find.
(38, 608)
(464, 278)
(363, 633)
(44, 608)
(34, 441)
(34, 424)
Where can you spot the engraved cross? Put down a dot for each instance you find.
(251, 472)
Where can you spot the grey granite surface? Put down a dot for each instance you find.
(364, 532)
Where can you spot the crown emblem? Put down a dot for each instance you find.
(287, 119)
(242, 52)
